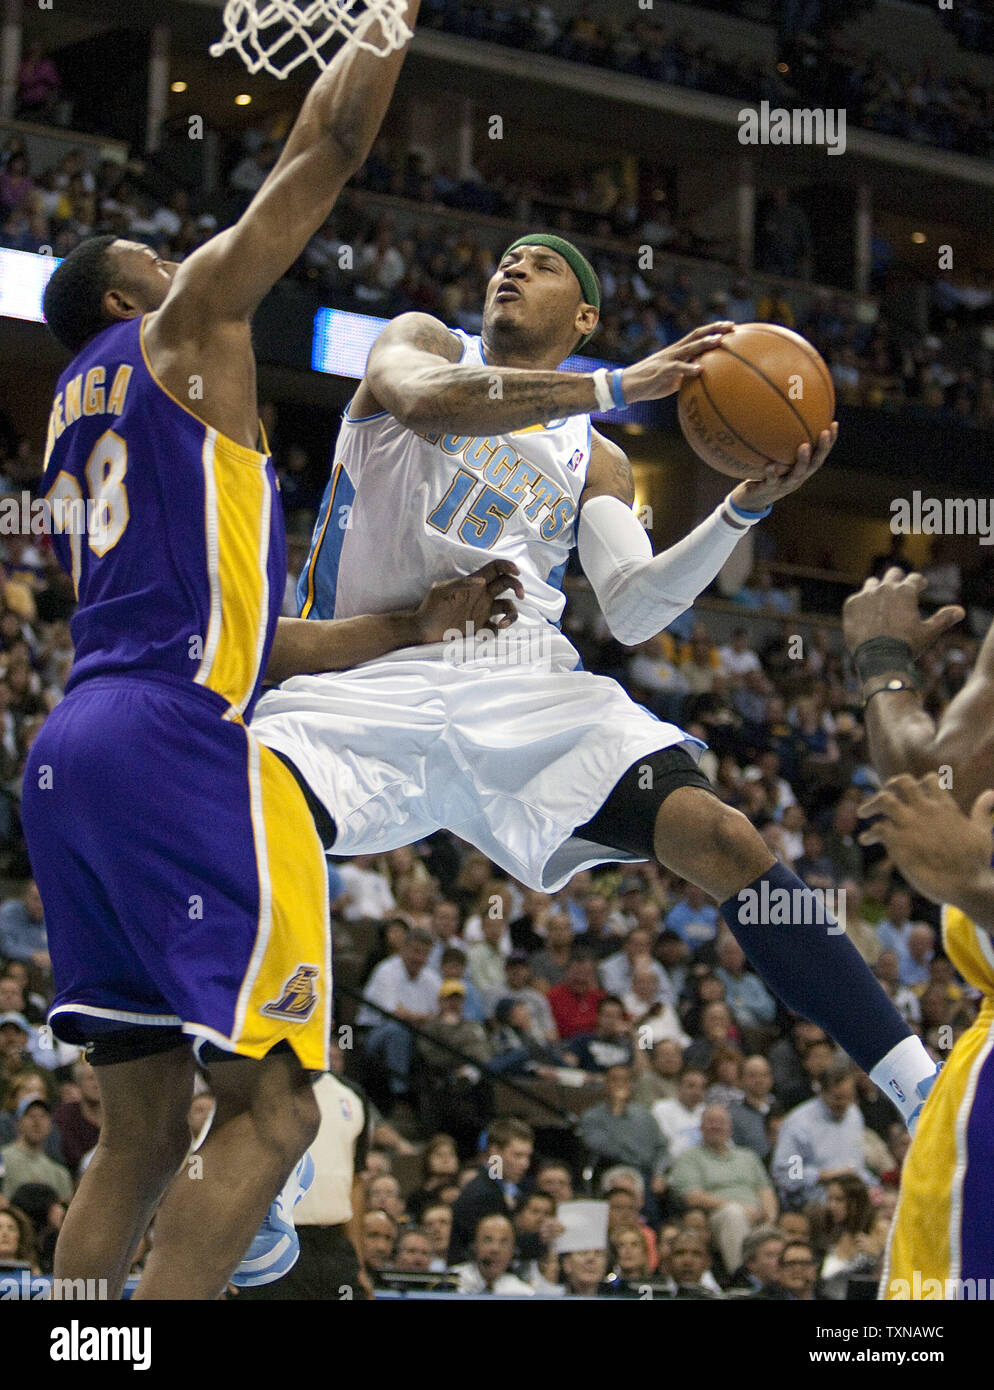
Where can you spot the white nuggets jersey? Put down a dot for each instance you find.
(404, 510)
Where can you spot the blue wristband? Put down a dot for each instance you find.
(616, 391)
(747, 516)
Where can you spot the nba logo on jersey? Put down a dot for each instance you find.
(298, 997)
(575, 461)
(896, 1089)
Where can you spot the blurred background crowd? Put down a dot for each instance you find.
(615, 1025)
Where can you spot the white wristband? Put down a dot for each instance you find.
(602, 386)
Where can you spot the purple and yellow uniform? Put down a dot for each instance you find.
(942, 1241)
(182, 875)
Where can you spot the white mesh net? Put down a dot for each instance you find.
(278, 35)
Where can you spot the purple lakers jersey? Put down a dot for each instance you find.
(173, 534)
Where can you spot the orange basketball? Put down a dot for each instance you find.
(762, 394)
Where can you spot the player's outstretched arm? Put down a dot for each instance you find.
(903, 736)
(943, 853)
(305, 646)
(641, 594)
(226, 279)
(414, 372)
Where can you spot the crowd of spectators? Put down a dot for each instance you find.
(622, 997)
(953, 113)
(360, 259)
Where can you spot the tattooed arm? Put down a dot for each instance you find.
(414, 372)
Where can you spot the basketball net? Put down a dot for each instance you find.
(278, 35)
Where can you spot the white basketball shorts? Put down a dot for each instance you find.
(511, 758)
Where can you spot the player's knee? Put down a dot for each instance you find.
(743, 854)
(289, 1124)
(152, 1158)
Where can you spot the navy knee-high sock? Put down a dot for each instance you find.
(815, 970)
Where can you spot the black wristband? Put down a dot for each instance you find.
(879, 656)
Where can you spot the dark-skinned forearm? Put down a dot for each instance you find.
(305, 646)
(350, 99)
(489, 400)
(904, 738)
(901, 734)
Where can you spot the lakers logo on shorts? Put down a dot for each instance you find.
(299, 997)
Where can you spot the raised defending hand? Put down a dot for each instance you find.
(888, 607)
(471, 598)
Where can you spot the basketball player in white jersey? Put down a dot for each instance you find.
(455, 445)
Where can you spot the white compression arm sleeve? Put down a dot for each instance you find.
(640, 594)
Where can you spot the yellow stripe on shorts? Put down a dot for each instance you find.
(286, 993)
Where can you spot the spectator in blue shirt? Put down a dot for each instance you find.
(22, 929)
(917, 969)
(820, 1139)
(894, 934)
(745, 994)
(694, 918)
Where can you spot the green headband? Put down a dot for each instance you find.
(577, 262)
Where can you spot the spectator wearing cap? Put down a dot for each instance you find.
(25, 1160)
(22, 929)
(405, 987)
(518, 987)
(27, 1083)
(489, 1269)
(617, 972)
(449, 1026)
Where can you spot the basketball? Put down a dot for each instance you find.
(762, 393)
